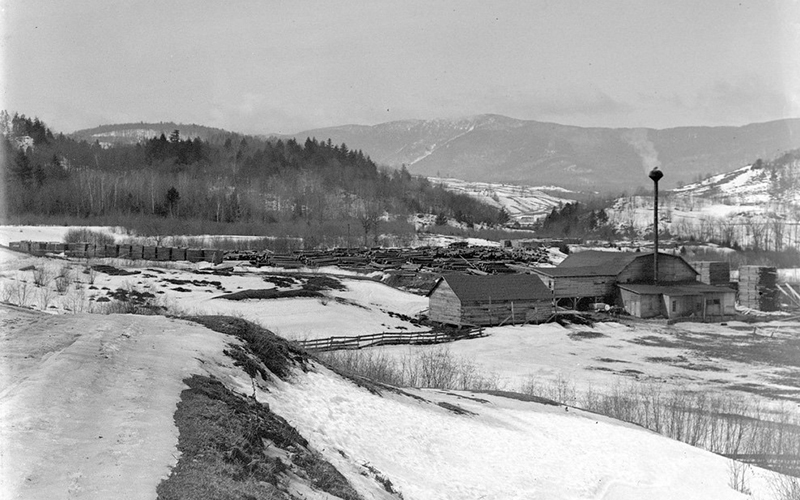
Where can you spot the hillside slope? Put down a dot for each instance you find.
(90, 401)
(755, 205)
(494, 148)
(133, 133)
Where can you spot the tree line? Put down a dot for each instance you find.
(229, 178)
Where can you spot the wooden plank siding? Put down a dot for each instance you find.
(444, 305)
(489, 300)
(579, 286)
(677, 301)
(486, 312)
(671, 269)
(641, 306)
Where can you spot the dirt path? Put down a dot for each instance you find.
(105, 428)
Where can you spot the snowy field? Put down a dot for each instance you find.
(86, 409)
(501, 448)
(525, 204)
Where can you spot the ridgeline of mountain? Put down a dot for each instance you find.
(132, 133)
(494, 148)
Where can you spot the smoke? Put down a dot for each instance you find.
(644, 148)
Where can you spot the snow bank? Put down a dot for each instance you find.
(498, 449)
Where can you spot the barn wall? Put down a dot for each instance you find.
(444, 306)
(486, 313)
(631, 303)
(641, 306)
(683, 305)
(670, 269)
(651, 306)
(727, 303)
(583, 286)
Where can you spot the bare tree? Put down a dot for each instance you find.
(727, 231)
(757, 230)
(778, 227)
(368, 214)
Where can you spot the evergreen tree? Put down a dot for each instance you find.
(21, 169)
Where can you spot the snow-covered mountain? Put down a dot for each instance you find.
(494, 148)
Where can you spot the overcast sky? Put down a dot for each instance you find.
(287, 66)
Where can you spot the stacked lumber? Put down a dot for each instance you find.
(758, 287)
(713, 272)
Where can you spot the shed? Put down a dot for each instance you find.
(460, 299)
(678, 300)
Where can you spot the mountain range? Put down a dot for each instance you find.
(495, 148)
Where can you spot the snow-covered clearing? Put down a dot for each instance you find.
(525, 204)
(684, 356)
(70, 378)
(499, 449)
(52, 233)
(87, 413)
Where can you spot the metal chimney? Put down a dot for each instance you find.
(656, 175)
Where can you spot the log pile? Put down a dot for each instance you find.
(459, 257)
(455, 258)
(758, 287)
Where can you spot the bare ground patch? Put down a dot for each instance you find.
(751, 349)
(585, 335)
(234, 447)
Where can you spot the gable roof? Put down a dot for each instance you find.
(607, 263)
(501, 287)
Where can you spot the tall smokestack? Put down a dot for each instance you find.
(656, 175)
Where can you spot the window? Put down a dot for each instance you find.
(674, 305)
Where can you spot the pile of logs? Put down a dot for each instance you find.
(460, 258)
(436, 260)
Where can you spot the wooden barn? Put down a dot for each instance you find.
(678, 300)
(467, 300)
(595, 274)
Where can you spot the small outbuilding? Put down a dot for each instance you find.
(469, 300)
(678, 300)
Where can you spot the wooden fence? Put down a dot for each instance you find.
(133, 252)
(387, 338)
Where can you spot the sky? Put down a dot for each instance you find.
(279, 66)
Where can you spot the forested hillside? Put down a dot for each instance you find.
(227, 179)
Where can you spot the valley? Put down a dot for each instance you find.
(295, 251)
